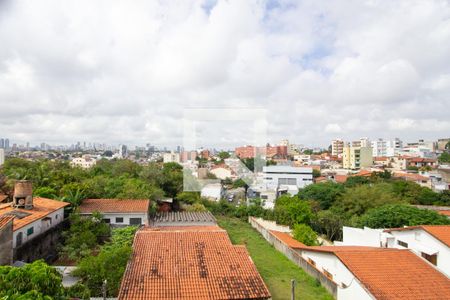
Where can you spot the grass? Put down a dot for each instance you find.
(275, 268)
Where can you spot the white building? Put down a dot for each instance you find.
(213, 191)
(118, 212)
(31, 221)
(337, 147)
(430, 242)
(85, 162)
(2, 156)
(379, 148)
(277, 176)
(171, 157)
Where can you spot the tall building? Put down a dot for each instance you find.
(6, 144)
(393, 147)
(356, 157)
(363, 142)
(2, 143)
(123, 151)
(2, 156)
(379, 148)
(336, 147)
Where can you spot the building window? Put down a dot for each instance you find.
(431, 258)
(107, 221)
(119, 220)
(135, 221)
(30, 231)
(328, 274)
(403, 244)
(56, 217)
(312, 262)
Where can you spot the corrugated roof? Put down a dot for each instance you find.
(41, 208)
(183, 218)
(185, 264)
(115, 206)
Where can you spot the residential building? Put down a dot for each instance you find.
(362, 142)
(32, 215)
(171, 157)
(337, 147)
(379, 148)
(356, 157)
(168, 219)
(265, 152)
(2, 157)
(85, 162)
(430, 242)
(393, 147)
(277, 176)
(443, 144)
(118, 212)
(414, 177)
(420, 162)
(186, 261)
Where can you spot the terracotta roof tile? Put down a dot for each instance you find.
(340, 178)
(288, 239)
(186, 264)
(41, 208)
(440, 232)
(114, 205)
(396, 274)
(4, 220)
(444, 212)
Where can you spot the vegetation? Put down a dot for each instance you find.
(275, 268)
(303, 233)
(109, 264)
(445, 157)
(32, 281)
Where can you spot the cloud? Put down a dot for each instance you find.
(123, 72)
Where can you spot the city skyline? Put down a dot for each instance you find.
(125, 73)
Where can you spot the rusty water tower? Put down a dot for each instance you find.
(23, 194)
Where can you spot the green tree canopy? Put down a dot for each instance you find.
(325, 193)
(304, 234)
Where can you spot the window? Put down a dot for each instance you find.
(288, 181)
(311, 262)
(431, 258)
(403, 244)
(30, 231)
(135, 221)
(107, 221)
(56, 217)
(265, 197)
(19, 239)
(119, 220)
(328, 274)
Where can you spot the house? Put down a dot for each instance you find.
(186, 261)
(430, 242)
(32, 215)
(118, 212)
(213, 191)
(417, 178)
(420, 162)
(85, 162)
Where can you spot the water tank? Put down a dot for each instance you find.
(23, 194)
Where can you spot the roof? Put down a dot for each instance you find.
(340, 178)
(4, 220)
(444, 212)
(186, 264)
(288, 239)
(3, 197)
(183, 218)
(396, 274)
(41, 208)
(114, 206)
(411, 176)
(440, 232)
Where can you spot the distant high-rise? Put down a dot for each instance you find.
(337, 147)
(2, 143)
(2, 156)
(6, 144)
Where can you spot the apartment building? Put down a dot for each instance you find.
(337, 146)
(171, 157)
(356, 157)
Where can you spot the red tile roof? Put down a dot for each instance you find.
(4, 220)
(114, 206)
(187, 264)
(288, 239)
(440, 232)
(410, 176)
(396, 274)
(444, 212)
(41, 208)
(3, 197)
(340, 178)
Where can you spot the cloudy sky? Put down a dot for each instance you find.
(127, 71)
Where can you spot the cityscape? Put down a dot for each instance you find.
(224, 149)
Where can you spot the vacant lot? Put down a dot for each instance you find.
(276, 270)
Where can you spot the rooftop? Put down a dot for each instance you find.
(440, 232)
(114, 206)
(183, 219)
(190, 263)
(288, 239)
(41, 208)
(4, 220)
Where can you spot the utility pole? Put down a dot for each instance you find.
(293, 289)
(104, 289)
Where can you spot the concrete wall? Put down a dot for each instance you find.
(295, 257)
(6, 244)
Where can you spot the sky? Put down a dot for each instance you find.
(128, 72)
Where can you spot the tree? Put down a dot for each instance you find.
(45, 192)
(316, 173)
(223, 155)
(445, 157)
(353, 181)
(304, 234)
(32, 281)
(325, 193)
(329, 223)
(399, 215)
(291, 210)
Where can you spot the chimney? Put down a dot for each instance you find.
(23, 194)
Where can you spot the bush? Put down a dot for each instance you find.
(304, 234)
(291, 210)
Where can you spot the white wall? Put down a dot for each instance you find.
(38, 227)
(362, 237)
(272, 175)
(126, 217)
(221, 173)
(213, 191)
(341, 275)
